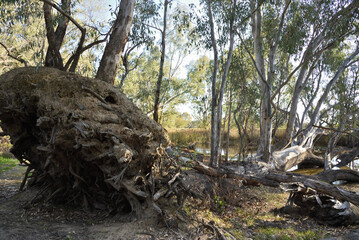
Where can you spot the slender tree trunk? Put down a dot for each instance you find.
(333, 142)
(109, 63)
(162, 61)
(221, 92)
(229, 123)
(312, 47)
(213, 160)
(266, 110)
(315, 117)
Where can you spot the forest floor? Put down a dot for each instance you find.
(249, 213)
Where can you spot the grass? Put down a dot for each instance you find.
(275, 233)
(252, 216)
(7, 163)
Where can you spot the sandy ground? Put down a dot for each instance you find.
(19, 220)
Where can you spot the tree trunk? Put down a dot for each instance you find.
(55, 39)
(229, 123)
(221, 92)
(109, 63)
(315, 117)
(160, 73)
(214, 150)
(275, 179)
(295, 155)
(347, 158)
(264, 147)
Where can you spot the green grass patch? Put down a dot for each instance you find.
(7, 163)
(275, 233)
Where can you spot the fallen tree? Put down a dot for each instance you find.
(84, 142)
(347, 158)
(330, 202)
(296, 155)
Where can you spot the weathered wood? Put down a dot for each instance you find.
(274, 179)
(347, 158)
(290, 157)
(331, 176)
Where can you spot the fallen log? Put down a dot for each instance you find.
(86, 143)
(346, 175)
(275, 179)
(346, 158)
(296, 155)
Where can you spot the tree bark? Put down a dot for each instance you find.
(229, 123)
(274, 179)
(214, 151)
(162, 61)
(221, 91)
(109, 63)
(264, 147)
(55, 39)
(347, 158)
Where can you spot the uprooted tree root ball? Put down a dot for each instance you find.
(84, 142)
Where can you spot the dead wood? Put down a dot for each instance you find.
(346, 175)
(85, 141)
(296, 155)
(275, 179)
(347, 158)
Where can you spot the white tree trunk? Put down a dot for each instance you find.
(112, 55)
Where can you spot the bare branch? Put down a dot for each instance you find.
(54, 5)
(12, 56)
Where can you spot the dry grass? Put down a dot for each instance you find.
(252, 215)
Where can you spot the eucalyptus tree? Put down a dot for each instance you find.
(331, 24)
(142, 34)
(216, 27)
(275, 20)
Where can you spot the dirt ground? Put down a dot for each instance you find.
(253, 217)
(19, 220)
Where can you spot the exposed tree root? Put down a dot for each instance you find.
(86, 142)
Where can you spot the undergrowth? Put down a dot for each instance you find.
(7, 163)
(252, 216)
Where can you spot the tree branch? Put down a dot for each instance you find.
(54, 5)
(12, 56)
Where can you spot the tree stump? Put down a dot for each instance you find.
(84, 141)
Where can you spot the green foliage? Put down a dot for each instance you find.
(22, 32)
(175, 119)
(219, 203)
(7, 163)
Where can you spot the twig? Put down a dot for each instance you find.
(54, 5)
(12, 56)
(25, 178)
